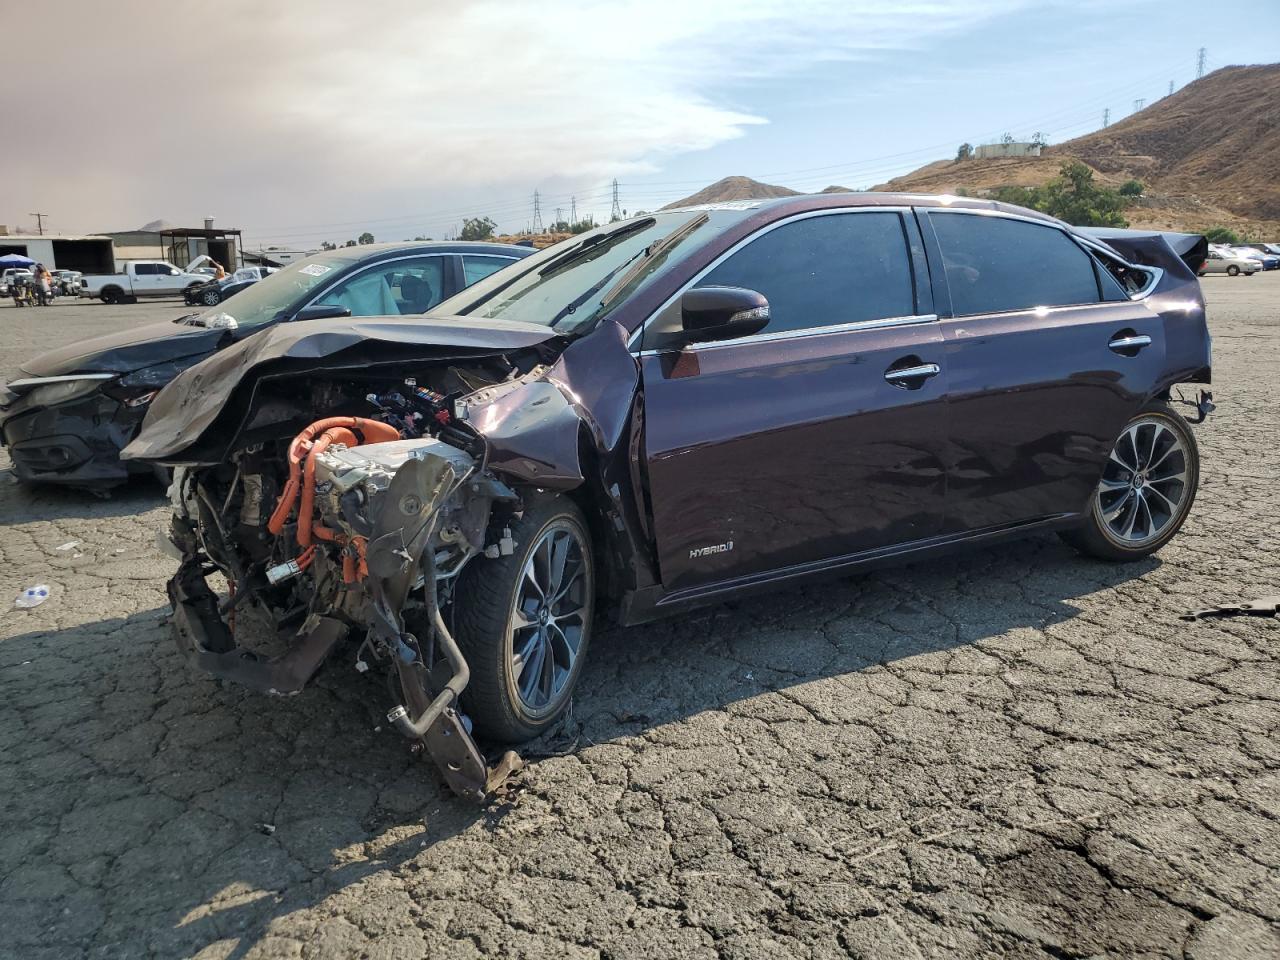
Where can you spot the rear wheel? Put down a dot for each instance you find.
(524, 622)
(1146, 490)
(110, 295)
(1233, 271)
(210, 298)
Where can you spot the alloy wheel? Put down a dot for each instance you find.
(549, 618)
(1144, 485)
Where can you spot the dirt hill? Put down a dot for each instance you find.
(733, 188)
(1209, 156)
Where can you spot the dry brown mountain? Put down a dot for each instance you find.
(733, 188)
(1209, 156)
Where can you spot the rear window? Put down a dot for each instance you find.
(995, 264)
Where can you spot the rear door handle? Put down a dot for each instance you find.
(913, 376)
(1131, 344)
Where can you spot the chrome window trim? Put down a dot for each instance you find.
(1155, 273)
(901, 210)
(807, 332)
(367, 267)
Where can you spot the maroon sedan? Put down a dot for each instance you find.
(670, 411)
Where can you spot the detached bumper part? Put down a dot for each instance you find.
(205, 642)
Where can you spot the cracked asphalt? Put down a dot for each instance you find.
(1015, 752)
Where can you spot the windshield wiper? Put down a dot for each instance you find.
(597, 244)
(641, 261)
(646, 262)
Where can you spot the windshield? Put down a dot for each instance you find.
(574, 284)
(265, 300)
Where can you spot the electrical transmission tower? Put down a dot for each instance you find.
(1106, 117)
(573, 210)
(559, 215)
(1170, 93)
(537, 214)
(1200, 55)
(615, 213)
(1139, 104)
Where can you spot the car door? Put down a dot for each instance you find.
(1048, 358)
(819, 438)
(144, 279)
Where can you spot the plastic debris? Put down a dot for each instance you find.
(69, 545)
(1262, 607)
(32, 596)
(267, 828)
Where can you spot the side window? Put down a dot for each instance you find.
(994, 264)
(400, 287)
(825, 270)
(476, 268)
(144, 269)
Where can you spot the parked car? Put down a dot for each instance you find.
(139, 278)
(1269, 261)
(66, 416)
(12, 275)
(1229, 263)
(1272, 248)
(215, 291)
(68, 282)
(669, 411)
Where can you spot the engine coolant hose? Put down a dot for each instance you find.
(352, 431)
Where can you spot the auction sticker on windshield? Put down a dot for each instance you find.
(315, 269)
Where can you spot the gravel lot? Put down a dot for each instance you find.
(1017, 752)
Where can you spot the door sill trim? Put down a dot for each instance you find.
(722, 589)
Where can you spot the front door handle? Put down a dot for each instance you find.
(913, 376)
(1129, 344)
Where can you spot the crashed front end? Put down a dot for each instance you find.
(353, 529)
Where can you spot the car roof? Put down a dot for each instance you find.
(372, 251)
(868, 198)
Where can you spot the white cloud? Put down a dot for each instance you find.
(280, 114)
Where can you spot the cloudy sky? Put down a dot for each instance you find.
(302, 122)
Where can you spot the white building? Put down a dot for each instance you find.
(57, 251)
(1015, 148)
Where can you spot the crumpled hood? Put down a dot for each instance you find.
(180, 416)
(126, 351)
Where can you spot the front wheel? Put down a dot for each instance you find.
(524, 622)
(210, 298)
(1146, 491)
(1233, 271)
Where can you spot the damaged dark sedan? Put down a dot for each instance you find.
(68, 413)
(665, 412)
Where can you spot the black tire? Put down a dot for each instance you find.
(110, 295)
(1233, 271)
(483, 617)
(1096, 537)
(211, 298)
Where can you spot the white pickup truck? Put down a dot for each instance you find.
(140, 278)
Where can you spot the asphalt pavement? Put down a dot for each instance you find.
(1014, 752)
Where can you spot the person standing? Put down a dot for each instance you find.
(40, 276)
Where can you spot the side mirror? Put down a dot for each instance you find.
(722, 313)
(322, 311)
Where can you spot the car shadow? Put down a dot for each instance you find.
(20, 503)
(155, 810)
